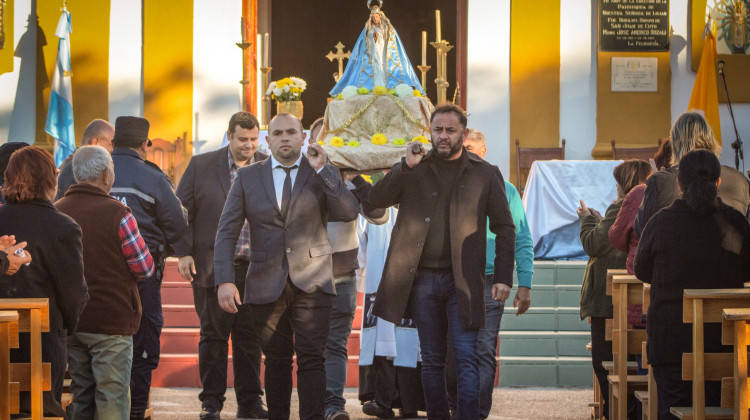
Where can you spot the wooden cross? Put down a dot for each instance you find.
(340, 56)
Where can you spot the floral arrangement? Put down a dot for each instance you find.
(379, 138)
(421, 139)
(338, 142)
(286, 89)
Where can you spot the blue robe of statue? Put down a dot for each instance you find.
(359, 69)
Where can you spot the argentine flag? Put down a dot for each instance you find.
(60, 114)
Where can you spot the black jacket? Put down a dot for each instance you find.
(203, 190)
(142, 186)
(681, 249)
(56, 272)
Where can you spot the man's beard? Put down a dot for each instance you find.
(454, 149)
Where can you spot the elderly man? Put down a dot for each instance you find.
(97, 133)
(286, 200)
(436, 259)
(115, 257)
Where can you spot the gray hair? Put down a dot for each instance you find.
(90, 162)
(96, 128)
(476, 135)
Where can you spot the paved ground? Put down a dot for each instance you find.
(509, 403)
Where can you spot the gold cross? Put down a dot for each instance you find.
(340, 56)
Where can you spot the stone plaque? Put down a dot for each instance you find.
(634, 25)
(634, 74)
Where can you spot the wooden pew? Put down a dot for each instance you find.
(735, 328)
(701, 306)
(8, 339)
(33, 317)
(626, 290)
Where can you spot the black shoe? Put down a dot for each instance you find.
(210, 412)
(256, 410)
(372, 408)
(337, 415)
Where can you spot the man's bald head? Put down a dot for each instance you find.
(98, 133)
(285, 115)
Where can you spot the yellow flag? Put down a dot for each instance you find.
(705, 96)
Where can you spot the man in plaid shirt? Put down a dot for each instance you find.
(115, 257)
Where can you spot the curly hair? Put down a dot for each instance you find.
(31, 175)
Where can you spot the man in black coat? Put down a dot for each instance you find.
(436, 258)
(203, 190)
(142, 186)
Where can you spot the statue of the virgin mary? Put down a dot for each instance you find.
(378, 57)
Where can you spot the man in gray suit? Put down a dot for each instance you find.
(203, 190)
(287, 200)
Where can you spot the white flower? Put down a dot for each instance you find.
(286, 88)
(349, 91)
(277, 91)
(271, 88)
(299, 83)
(403, 90)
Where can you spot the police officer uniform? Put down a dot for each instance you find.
(142, 186)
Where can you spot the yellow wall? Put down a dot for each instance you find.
(89, 61)
(6, 54)
(168, 67)
(534, 75)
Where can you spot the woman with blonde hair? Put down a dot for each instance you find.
(690, 132)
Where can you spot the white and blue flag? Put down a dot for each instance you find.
(60, 115)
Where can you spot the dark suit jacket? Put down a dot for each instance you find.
(203, 190)
(296, 248)
(479, 193)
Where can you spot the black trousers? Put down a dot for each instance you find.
(297, 322)
(392, 386)
(672, 391)
(601, 350)
(146, 344)
(216, 328)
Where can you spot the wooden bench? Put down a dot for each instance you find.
(735, 328)
(8, 339)
(626, 290)
(35, 376)
(704, 306)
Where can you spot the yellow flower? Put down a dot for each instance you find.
(321, 142)
(367, 178)
(380, 90)
(399, 142)
(352, 143)
(421, 139)
(379, 138)
(417, 93)
(340, 96)
(363, 91)
(337, 142)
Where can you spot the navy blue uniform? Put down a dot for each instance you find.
(143, 187)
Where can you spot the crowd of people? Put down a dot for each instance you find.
(276, 247)
(679, 223)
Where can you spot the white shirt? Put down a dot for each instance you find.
(279, 175)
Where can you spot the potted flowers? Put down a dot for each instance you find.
(286, 92)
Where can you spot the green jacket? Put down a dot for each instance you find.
(602, 256)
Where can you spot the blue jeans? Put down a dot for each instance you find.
(486, 352)
(337, 358)
(435, 310)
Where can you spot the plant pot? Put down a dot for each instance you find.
(290, 107)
